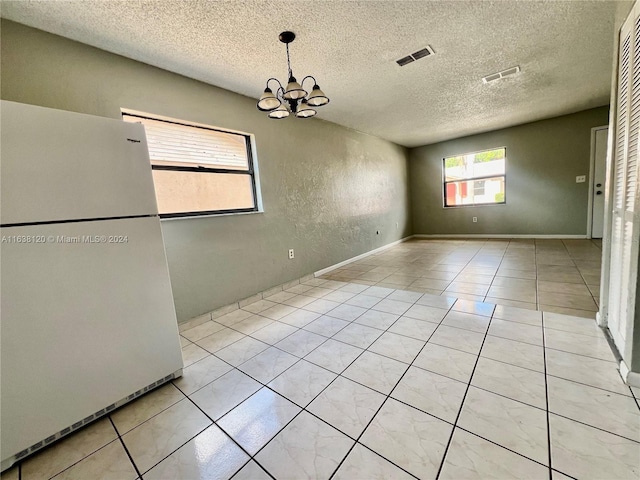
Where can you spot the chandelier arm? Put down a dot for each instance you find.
(315, 82)
(273, 78)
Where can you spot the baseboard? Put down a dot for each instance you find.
(361, 256)
(495, 235)
(629, 377)
(218, 312)
(200, 319)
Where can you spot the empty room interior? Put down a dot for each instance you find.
(320, 239)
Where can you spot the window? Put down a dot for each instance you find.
(197, 169)
(475, 178)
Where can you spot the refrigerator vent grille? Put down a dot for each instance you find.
(37, 446)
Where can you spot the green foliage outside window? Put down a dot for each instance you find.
(454, 162)
(481, 157)
(489, 155)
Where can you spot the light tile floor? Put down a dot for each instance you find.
(561, 276)
(374, 381)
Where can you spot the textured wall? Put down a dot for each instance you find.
(325, 189)
(543, 159)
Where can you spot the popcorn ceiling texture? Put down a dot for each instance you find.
(563, 47)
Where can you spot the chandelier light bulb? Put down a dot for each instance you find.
(268, 101)
(279, 113)
(305, 111)
(294, 90)
(317, 97)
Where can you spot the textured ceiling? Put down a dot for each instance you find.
(564, 49)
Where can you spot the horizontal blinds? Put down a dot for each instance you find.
(173, 143)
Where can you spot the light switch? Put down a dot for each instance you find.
(581, 178)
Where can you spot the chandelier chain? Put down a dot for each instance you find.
(289, 61)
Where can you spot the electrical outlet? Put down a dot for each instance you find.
(581, 178)
(397, 226)
(475, 219)
(291, 254)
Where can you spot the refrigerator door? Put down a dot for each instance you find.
(59, 165)
(84, 324)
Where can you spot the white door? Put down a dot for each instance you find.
(623, 236)
(598, 183)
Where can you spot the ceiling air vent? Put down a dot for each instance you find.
(423, 52)
(497, 76)
(405, 60)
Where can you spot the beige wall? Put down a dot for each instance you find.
(325, 189)
(543, 160)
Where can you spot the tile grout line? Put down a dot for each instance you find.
(464, 397)
(213, 423)
(546, 394)
(387, 396)
(499, 445)
(302, 409)
(303, 358)
(496, 274)
(535, 257)
(633, 395)
(273, 345)
(594, 427)
(125, 448)
(584, 280)
(507, 397)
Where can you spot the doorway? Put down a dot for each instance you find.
(597, 180)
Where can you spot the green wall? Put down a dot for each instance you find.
(543, 198)
(325, 189)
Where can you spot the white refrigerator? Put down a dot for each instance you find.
(87, 319)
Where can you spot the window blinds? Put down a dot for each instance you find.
(171, 143)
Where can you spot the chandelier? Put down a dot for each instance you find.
(293, 99)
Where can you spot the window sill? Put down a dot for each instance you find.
(213, 215)
(503, 204)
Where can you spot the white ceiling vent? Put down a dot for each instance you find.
(497, 76)
(423, 52)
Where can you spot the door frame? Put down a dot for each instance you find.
(602, 316)
(592, 170)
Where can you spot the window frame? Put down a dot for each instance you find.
(252, 169)
(483, 177)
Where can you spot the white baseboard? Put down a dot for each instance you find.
(361, 256)
(493, 235)
(629, 377)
